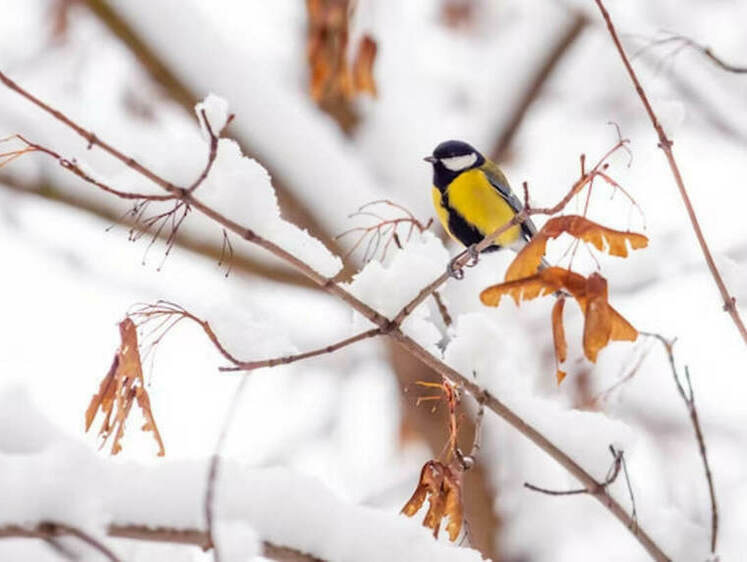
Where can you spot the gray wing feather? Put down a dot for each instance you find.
(501, 185)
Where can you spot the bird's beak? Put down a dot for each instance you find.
(431, 159)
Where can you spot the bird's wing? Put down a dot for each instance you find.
(501, 185)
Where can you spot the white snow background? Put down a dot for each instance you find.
(316, 445)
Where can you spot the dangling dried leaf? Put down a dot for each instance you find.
(558, 337)
(615, 242)
(363, 80)
(123, 385)
(546, 282)
(597, 322)
(528, 260)
(334, 82)
(442, 485)
(602, 323)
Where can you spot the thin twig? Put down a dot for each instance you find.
(52, 529)
(612, 474)
(666, 145)
(192, 537)
(389, 327)
(683, 42)
(212, 153)
(688, 397)
(252, 365)
(442, 310)
(212, 479)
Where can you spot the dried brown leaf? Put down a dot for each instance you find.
(442, 485)
(558, 331)
(121, 387)
(545, 282)
(614, 242)
(527, 261)
(602, 323)
(363, 80)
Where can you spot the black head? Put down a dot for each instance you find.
(451, 158)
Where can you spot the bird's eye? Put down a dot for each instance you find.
(459, 163)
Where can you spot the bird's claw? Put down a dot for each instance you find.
(474, 256)
(455, 270)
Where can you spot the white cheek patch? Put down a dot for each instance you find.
(458, 163)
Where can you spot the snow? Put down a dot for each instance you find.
(59, 480)
(332, 431)
(240, 188)
(389, 285)
(215, 109)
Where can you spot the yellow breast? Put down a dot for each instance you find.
(479, 203)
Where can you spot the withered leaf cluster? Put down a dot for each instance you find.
(523, 281)
(442, 485)
(122, 386)
(333, 77)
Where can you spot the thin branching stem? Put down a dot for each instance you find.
(665, 143)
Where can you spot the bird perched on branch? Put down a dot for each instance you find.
(473, 198)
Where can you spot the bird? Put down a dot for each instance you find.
(473, 198)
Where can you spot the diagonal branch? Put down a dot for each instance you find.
(665, 143)
(556, 53)
(386, 326)
(51, 530)
(193, 537)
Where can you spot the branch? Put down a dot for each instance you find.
(159, 70)
(544, 72)
(609, 479)
(388, 327)
(666, 145)
(688, 397)
(706, 51)
(50, 530)
(252, 365)
(191, 537)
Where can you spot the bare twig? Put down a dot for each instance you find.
(212, 479)
(612, 474)
(384, 229)
(193, 537)
(686, 42)
(688, 397)
(212, 153)
(52, 530)
(442, 310)
(666, 145)
(388, 327)
(252, 365)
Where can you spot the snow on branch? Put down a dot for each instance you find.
(234, 174)
(96, 497)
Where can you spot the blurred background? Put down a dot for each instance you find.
(339, 100)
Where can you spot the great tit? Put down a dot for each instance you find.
(473, 198)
